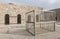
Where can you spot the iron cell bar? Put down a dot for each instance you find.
(31, 22)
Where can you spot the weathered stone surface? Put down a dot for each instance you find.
(13, 10)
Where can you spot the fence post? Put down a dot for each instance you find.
(54, 26)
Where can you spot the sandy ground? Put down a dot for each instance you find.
(50, 35)
(44, 34)
(16, 34)
(23, 34)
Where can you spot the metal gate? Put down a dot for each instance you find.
(30, 22)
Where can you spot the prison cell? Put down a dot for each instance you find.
(41, 25)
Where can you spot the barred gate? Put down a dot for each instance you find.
(30, 22)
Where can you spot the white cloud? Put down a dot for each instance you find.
(48, 1)
(52, 1)
(42, 0)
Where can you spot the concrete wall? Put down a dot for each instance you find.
(57, 10)
(49, 15)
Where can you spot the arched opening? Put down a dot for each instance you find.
(37, 18)
(7, 19)
(18, 19)
(29, 18)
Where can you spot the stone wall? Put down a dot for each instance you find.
(13, 10)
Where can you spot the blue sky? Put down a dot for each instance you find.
(46, 4)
